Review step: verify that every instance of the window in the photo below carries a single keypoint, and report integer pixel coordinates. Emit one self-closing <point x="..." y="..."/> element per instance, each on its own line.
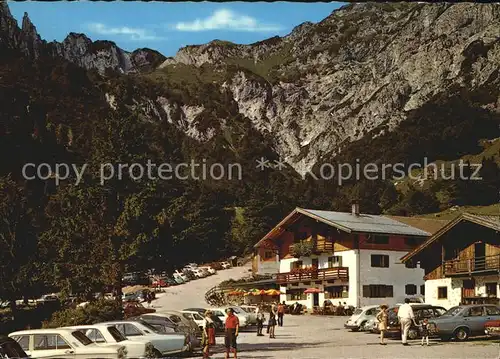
<point x="96" y="336"/>
<point x="491" y="289"/>
<point x="296" y="265"/>
<point x="475" y="312"/>
<point x="422" y="289"/>
<point x="187" y="316"/>
<point x="424" y="313"/>
<point x="334" y="261"/>
<point x="197" y="317"/>
<point x="380" y="260"/>
<point x="115" y="333"/>
<point x="490" y="310"/>
<point x="268" y="254"/>
<point x="24" y="341"/>
<point x="296" y="294"/>
<point x="373" y="239"/>
<point x="411" y="242"/>
<point x="378" y="291"/>
<point x="336" y="292"/>
<point x="442" y="292"/>
<point x="410" y="289"/>
<point x="175" y="319"/>
<point x="50" y="342"/>
<point x="439" y="312"/>
<point x="131" y="330"/>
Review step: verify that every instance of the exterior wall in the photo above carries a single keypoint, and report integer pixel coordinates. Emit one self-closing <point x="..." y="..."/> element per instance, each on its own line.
<point x="454" y="292"/>
<point x="396" y="275"/>
<point x="267" y="266"/>
<point x="481" y="284"/>
<point x="395" y="243"/>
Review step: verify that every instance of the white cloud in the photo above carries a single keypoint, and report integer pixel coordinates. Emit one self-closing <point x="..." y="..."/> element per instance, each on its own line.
<point x="225" y="19"/>
<point x="135" y="34"/>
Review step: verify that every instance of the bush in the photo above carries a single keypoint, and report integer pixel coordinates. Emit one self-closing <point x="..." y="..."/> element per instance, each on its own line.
<point x="302" y="249"/>
<point x="100" y="311"/>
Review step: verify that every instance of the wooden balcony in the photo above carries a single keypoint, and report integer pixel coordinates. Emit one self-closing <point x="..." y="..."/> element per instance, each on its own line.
<point x="341" y="273"/>
<point x="321" y="246"/>
<point x="478" y="265"/>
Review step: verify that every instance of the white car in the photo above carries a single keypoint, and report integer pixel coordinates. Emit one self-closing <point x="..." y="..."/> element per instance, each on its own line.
<point x="222" y="314"/>
<point x="210" y="270"/>
<point x="225" y="265"/>
<point x="199" y="273"/>
<point x="181" y="275"/>
<point x="194" y="316"/>
<point x="361" y="316"/>
<point x="105" y="334"/>
<point x="48" y="298"/>
<point x="64" y="343"/>
<point x="164" y="344"/>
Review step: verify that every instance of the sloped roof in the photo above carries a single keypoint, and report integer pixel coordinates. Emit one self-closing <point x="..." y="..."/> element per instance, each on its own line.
<point x="492" y="222"/>
<point x="365" y="223"/>
<point x="429" y="225"/>
<point x="347" y="222"/>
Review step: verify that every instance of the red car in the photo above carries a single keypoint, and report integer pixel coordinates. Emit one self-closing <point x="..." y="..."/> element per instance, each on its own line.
<point x="134" y="309"/>
<point x="160" y="283"/>
<point x="492" y="328"/>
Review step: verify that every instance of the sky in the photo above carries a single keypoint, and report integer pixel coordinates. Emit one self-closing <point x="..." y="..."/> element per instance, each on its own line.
<point x="166" y="27"/>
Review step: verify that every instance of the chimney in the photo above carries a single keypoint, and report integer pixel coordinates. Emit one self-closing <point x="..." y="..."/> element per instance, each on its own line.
<point x="355" y="208"/>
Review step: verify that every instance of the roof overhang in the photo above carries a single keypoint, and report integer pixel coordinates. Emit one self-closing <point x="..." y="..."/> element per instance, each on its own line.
<point x="436" y="236"/>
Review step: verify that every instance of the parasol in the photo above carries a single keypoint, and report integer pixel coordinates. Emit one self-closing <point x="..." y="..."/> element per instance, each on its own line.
<point x="273" y="292"/>
<point x="312" y="290"/>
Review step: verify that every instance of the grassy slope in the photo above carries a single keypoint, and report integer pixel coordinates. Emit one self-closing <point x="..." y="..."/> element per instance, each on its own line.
<point x="492" y="210"/>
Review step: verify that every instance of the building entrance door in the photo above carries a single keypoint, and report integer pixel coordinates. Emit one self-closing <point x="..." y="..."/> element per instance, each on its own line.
<point x="316" y="299"/>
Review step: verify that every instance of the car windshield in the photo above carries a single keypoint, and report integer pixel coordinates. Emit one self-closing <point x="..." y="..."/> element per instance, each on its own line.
<point x="115" y="333"/>
<point x="237" y="310"/>
<point x="11" y="349"/>
<point x="150" y="327"/>
<point x="82" y="338"/>
<point x="358" y="311"/>
<point x="452" y="312"/>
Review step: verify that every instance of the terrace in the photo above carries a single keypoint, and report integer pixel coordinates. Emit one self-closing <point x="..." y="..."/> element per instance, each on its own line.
<point x="306" y="275"/>
<point x="477" y="265"/>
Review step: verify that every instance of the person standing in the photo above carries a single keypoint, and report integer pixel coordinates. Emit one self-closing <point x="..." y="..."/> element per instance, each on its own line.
<point x="149" y="297"/>
<point x="271" y="325"/>
<point x="281" y="313"/>
<point x="260" y="321"/>
<point x="231" y="333"/>
<point x="424" y="331"/>
<point x="382" y="318"/>
<point x="406" y="317"/>
<point x="208" y="338"/>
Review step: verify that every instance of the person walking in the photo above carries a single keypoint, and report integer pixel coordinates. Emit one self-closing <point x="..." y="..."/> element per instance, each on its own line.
<point x="424" y="331"/>
<point x="149" y="298"/>
<point x="260" y="321"/>
<point x="406" y="317"/>
<point x="382" y="318"/>
<point x="208" y="338"/>
<point x="271" y="325"/>
<point x="231" y="333"/>
<point x="281" y="313"/>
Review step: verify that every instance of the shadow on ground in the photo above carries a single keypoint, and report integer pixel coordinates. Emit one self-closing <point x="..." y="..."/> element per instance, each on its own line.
<point x="277" y="346"/>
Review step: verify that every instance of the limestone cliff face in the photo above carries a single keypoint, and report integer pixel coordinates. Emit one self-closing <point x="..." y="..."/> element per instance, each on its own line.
<point x="76" y="48"/>
<point x="360" y="71"/>
<point x="364" y="66"/>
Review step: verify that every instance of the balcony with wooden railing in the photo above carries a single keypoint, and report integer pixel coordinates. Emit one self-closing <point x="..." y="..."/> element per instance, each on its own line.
<point x="307" y="275"/>
<point x="477" y="265"/>
<point x="309" y="247"/>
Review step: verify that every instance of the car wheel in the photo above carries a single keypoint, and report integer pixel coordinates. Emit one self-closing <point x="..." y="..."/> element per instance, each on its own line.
<point x="461" y="334"/>
<point x="354" y="329"/>
<point x="412" y="334"/>
<point x="362" y="326"/>
<point x="156" y="353"/>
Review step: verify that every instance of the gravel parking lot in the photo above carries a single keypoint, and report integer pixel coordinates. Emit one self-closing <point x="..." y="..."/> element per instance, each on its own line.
<point x="316" y="337"/>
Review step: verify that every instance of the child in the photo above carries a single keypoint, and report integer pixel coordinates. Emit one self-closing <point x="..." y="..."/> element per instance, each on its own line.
<point x="260" y="321"/>
<point x="424" y="331"/>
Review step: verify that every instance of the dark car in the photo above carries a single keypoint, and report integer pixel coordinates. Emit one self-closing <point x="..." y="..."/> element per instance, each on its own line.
<point x="421" y="312"/>
<point x="219" y="325"/>
<point x="10" y="349"/>
<point x="464" y="321"/>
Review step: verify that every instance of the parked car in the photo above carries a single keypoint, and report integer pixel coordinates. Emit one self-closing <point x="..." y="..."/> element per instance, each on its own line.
<point x="206" y="272"/>
<point x="492" y="328"/>
<point x="217" y="266"/>
<point x="165" y="344"/>
<point x="179" y="279"/>
<point x="180" y="274"/>
<point x="360" y="316"/>
<point x="465" y="321"/>
<point x="190" y="273"/>
<point x="421" y="311"/>
<point x="10" y="349"/>
<point x="225" y="265"/>
<point x="134" y="309"/>
<point x="48" y="298"/>
<point x="222" y="314"/>
<point x="132" y="297"/>
<point x="195" y="316"/>
<point x="167" y="322"/>
<point x="199" y="273"/>
<point x="192" y="265"/>
<point x="64" y="343"/>
<point x="219" y="324"/>
<point x="177" y="317"/>
<point x="105" y="334"/>
<point x="251" y="315"/>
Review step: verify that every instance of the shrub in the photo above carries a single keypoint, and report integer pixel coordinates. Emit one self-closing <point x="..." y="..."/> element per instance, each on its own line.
<point x="302" y="249"/>
<point x="100" y="311"/>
